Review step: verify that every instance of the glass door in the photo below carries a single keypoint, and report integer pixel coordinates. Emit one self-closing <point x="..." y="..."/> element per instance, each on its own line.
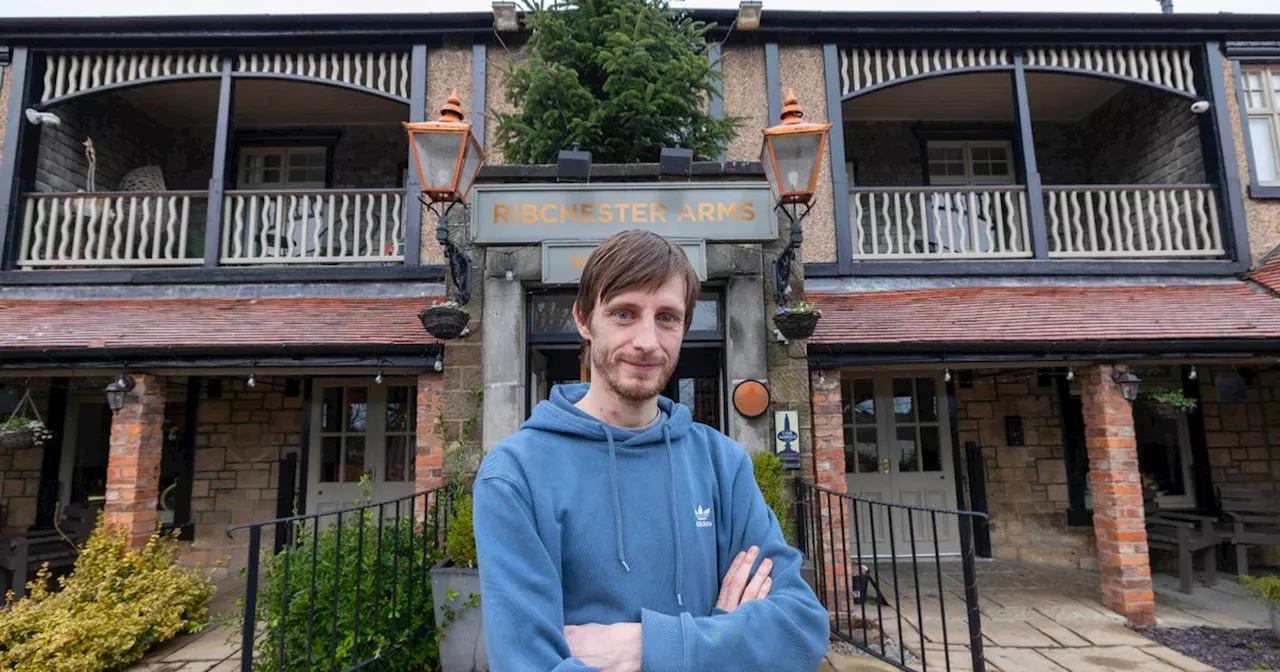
<point x="361" y="430"/>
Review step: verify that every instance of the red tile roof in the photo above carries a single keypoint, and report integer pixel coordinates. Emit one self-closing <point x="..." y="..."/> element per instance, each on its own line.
<point x="1267" y="273"/>
<point x="210" y="322"/>
<point x="1229" y="310"/>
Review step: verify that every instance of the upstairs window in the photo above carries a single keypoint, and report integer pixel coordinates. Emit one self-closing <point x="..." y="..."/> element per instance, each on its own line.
<point x="961" y="163"/>
<point x="283" y="167"/>
<point x="1261" y="87"/>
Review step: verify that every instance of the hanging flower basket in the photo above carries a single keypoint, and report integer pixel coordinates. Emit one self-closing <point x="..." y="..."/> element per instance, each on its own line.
<point x="797" y="323"/>
<point x="20" y="432"/>
<point x="1167" y="403"/>
<point x="445" y="320"/>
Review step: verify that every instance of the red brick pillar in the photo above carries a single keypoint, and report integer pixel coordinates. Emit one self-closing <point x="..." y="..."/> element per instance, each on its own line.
<point x="133" y="464"/>
<point x="828" y="455"/>
<point x="428" y="461"/>
<point x="1116" y="484"/>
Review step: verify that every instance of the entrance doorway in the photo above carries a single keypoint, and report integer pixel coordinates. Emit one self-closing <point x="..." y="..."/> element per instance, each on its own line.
<point x="361" y="429"/>
<point x="897" y="438"/>
<point x="82" y="472"/>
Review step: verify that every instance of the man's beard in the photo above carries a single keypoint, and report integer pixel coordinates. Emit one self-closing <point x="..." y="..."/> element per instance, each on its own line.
<point x="629" y="389"/>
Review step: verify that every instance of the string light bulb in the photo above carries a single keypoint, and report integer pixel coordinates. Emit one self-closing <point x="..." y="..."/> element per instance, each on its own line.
<point x="1192" y="375"/>
<point x="439" y="365"/>
<point x="510" y="276"/>
<point x="946" y="375"/>
<point x="252" y="381"/>
<point x="1071" y="373"/>
<point x="378" y="378"/>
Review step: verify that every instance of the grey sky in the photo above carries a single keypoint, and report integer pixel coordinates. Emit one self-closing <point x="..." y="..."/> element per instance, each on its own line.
<point x="159" y="7"/>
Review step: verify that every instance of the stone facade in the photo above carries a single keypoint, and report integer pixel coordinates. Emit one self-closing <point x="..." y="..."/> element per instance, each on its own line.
<point x="1241" y="433"/>
<point x="240" y="439"/>
<point x="20" y="467"/>
<point x="1026" y="486"/>
<point x="370" y="157"/>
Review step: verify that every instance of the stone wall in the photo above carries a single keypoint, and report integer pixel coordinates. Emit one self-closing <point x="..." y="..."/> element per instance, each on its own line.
<point x="1142" y="136"/>
<point x="240" y="440"/>
<point x="370" y="157"/>
<point x="1026" y="485"/>
<point x="20" y="467"/>
<point x="1242" y="434"/>
<point x="124" y="138"/>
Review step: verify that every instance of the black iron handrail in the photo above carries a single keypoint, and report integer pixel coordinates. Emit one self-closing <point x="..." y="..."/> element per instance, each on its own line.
<point x="823" y="520"/>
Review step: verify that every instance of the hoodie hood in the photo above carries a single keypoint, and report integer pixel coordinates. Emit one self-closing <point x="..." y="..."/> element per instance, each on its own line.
<point x="559" y="415"/>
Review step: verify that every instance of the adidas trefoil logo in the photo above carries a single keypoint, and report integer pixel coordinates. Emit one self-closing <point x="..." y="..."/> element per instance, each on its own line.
<point x="704" y="516"/>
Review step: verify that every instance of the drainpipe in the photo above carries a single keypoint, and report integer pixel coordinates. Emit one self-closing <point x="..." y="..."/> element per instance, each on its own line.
<point x="1166" y="6"/>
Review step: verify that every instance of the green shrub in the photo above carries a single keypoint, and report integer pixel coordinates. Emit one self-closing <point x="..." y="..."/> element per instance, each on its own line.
<point x="771" y="476"/>
<point x="112" y="608"/>
<point x="1265" y="587"/>
<point x="460" y="539"/>
<point x="382" y="595"/>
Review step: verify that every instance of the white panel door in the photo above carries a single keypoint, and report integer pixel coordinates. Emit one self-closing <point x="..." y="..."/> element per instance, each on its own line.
<point x="360" y="429"/>
<point x="898" y="450"/>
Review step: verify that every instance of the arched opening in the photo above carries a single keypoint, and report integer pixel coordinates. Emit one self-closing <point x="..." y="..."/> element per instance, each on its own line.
<point x="314" y="173"/>
<point x="936" y="168"/>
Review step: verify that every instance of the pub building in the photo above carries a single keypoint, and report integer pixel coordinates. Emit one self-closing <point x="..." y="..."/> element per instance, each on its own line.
<point x="221" y="241"/>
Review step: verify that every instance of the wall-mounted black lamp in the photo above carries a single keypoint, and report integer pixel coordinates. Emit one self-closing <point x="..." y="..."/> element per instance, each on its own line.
<point x="1128" y="383"/>
<point x="117" y="390"/>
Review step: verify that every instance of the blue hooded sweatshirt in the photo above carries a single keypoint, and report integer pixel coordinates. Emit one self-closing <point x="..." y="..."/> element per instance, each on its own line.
<point x="579" y="522"/>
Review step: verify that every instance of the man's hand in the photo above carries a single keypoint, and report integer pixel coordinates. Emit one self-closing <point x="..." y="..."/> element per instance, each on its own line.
<point x="612" y="648"/>
<point x="735" y="590"/>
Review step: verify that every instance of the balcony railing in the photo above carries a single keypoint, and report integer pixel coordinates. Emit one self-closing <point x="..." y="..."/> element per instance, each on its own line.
<point x="939" y="222"/>
<point x="1135" y="221"/>
<point x="112" y="229"/>
<point x="313" y="227"/>
<point x="1138" y="222"/>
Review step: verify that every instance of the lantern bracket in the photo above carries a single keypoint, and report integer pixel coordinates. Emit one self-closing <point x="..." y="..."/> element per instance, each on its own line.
<point x="459" y="262"/>
<point x="795" y="213"/>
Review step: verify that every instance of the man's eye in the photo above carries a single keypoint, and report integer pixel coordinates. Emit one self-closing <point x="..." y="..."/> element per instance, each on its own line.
<point x="622" y="314"/>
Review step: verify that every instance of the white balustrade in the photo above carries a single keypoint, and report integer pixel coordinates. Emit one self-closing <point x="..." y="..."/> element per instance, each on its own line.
<point x="1133" y="222"/>
<point x="313" y="227"/>
<point x="112" y="229"/>
<point x="939" y="222"/>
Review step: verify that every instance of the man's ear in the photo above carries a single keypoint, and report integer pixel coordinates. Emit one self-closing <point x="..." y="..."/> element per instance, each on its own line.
<point x="584" y="329"/>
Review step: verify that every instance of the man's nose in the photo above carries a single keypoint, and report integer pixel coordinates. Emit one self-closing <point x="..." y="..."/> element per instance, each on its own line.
<point x="645" y="336"/>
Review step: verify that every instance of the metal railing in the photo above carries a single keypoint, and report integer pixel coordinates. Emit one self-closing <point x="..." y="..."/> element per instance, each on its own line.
<point x="886" y="573"/>
<point x="358" y="576"/>
<point x="102" y="229"/>
<point x="332" y="226"/>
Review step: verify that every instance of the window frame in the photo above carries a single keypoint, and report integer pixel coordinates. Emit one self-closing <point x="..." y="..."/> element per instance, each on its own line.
<point x="1270" y="70"/>
<point x="969" y="179"/>
<point x="286" y="153"/>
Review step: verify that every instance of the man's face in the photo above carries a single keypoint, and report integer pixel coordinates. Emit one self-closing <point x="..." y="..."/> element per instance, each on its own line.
<point x="635" y="339"/>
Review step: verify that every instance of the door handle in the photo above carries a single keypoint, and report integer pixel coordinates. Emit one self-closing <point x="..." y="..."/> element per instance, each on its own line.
<point x="884" y="465"/>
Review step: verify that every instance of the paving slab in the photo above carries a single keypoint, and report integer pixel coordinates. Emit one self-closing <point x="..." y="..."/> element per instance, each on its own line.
<point x="1016" y="634"/>
<point x="1059" y="633"/>
<point x="1178" y="660"/>
<point x="1107" y="659"/>
<point x="1021" y="660"/>
<point x="1109" y="634"/>
<point x="215" y="644"/>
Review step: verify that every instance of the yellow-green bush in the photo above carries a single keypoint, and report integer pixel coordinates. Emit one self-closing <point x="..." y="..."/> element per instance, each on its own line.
<point x="771" y="476"/>
<point x="108" y="612"/>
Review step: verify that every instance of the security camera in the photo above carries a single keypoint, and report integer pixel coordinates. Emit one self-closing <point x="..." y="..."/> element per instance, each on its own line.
<point x="1200" y="106"/>
<point x="42" y="118"/>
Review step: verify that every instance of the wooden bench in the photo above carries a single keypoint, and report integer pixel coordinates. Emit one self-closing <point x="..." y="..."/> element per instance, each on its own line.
<point x="1186" y="534"/>
<point x="21" y="556"/>
<point x="1250" y="518"/>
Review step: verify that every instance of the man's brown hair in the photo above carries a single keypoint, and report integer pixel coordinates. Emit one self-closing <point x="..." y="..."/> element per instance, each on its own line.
<point x="635" y="259"/>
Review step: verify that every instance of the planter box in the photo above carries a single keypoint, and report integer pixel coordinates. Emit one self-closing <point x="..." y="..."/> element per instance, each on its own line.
<point x="462" y="640"/>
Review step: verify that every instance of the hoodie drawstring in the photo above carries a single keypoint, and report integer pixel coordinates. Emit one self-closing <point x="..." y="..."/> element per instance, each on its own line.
<point x="675" y="524"/>
<point x="617" y="505"/>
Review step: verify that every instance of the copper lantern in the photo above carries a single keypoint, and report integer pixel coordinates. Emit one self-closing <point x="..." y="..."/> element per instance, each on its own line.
<point x="792" y="154"/>
<point x="446" y="153"/>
